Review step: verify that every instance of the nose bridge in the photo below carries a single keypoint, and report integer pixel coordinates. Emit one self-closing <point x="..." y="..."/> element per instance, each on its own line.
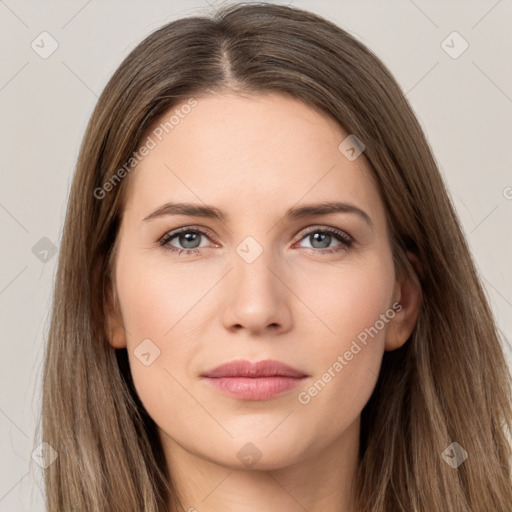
<point x="252" y="264"/>
<point x="256" y="293"/>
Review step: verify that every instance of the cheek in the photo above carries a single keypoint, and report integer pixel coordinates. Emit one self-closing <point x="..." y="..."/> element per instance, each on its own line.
<point x="347" y="357"/>
<point x="346" y="298"/>
<point x="363" y="295"/>
<point x="156" y="297"/>
<point x="156" y="306"/>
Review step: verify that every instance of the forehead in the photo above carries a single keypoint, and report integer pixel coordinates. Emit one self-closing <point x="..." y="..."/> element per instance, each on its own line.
<point x="253" y="152"/>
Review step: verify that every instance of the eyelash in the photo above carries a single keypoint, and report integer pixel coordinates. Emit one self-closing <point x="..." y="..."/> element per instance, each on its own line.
<point x="346" y="241"/>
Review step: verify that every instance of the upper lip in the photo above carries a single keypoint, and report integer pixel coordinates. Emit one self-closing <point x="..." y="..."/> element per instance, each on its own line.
<point x="245" y="368"/>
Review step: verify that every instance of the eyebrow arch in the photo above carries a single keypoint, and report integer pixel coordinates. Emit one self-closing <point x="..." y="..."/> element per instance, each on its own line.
<point x="298" y="212"/>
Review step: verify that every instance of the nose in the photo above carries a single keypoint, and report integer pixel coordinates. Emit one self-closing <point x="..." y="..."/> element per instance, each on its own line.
<point x="257" y="297"/>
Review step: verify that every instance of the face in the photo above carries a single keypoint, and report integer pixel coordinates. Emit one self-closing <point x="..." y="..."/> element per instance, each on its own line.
<point x="254" y="275"/>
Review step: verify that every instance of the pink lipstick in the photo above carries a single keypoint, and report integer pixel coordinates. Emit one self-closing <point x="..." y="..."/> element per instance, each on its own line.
<point x="260" y="380"/>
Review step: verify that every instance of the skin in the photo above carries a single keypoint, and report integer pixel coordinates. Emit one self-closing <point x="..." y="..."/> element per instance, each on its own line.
<point x="253" y="157"/>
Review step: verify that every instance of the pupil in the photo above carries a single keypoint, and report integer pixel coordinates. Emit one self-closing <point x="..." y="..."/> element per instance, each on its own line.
<point x="321" y="238"/>
<point x="189" y="238"/>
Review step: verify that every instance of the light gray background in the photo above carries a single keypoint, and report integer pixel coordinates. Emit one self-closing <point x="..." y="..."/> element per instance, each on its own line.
<point x="464" y="105"/>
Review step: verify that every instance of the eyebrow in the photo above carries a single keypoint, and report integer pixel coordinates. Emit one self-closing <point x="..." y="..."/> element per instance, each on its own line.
<point x="294" y="213"/>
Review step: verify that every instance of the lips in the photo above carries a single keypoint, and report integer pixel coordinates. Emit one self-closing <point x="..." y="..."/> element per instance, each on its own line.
<point x="244" y="368"/>
<point x="261" y="380"/>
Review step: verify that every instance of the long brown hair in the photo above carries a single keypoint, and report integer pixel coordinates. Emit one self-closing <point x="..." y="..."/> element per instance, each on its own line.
<point x="448" y="383"/>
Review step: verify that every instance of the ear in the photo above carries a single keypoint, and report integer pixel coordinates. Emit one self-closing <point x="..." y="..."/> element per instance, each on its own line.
<point x="408" y="295"/>
<point x="116" y="333"/>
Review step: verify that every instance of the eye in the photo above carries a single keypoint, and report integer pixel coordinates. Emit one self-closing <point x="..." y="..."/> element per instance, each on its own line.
<point x="321" y="238"/>
<point x="190" y="240"/>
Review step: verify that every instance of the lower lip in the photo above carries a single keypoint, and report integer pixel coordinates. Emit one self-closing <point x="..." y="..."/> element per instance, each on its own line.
<point x="254" y="388"/>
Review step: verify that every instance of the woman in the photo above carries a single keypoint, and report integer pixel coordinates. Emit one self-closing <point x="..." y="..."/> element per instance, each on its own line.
<point x="201" y="357"/>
